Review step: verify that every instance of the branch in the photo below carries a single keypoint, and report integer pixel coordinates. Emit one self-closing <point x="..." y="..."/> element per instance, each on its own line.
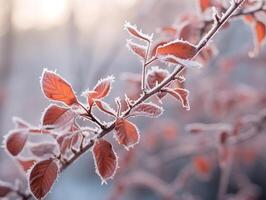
<point x="157" y="89"/>
<point x="147" y="94"/>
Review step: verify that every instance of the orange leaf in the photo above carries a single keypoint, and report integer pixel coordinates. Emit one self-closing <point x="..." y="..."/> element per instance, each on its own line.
<point x="260" y="32"/>
<point x="126" y="132"/>
<point x="202" y="165"/>
<point x="15" y="142"/>
<point x="178" y="48"/>
<point x="56" y="88"/>
<point x="205" y="4"/>
<point x="42" y="177"/>
<point x="105" y="159"/>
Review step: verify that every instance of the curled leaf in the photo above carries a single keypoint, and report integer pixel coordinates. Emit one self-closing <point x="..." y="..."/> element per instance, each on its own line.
<point x="56" y="88"/>
<point x="42" y="177"/>
<point x="15" y="141"/>
<point x="126" y="133"/>
<point x="105" y="159"/>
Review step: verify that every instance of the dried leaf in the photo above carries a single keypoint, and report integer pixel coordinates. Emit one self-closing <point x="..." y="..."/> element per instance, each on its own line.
<point x="147" y="109"/>
<point x="105" y="159"/>
<point x="181" y="94"/>
<point x="15" y="141"/>
<point x="57" y="116"/>
<point x="126" y="133"/>
<point x="177" y="48"/>
<point x="136" y="33"/>
<point x="42" y="177"/>
<point x="137" y="49"/>
<point x="56" y="88"/>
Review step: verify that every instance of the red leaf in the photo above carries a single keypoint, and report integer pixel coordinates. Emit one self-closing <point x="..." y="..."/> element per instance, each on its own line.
<point x="42" y="177"/>
<point x="15" y="141"/>
<point x="5" y="188"/>
<point x="105" y="159"/>
<point x="136" y="33"/>
<point x="56" y="88"/>
<point x="105" y="107"/>
<point x="181" y="94"/>
<point x="25" y="163"/>
<point x="100" y="91"/>
<point x="178" y="48"/>
<point x="43" y="149"/>
<point x="139" y="50"/>
<point x="147" y="109"/>
<point x="126" y="132"/>
<point x="57" y="116"/>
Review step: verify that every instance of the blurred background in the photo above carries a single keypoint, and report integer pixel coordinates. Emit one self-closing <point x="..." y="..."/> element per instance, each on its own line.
<point x="84" y="40"/>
